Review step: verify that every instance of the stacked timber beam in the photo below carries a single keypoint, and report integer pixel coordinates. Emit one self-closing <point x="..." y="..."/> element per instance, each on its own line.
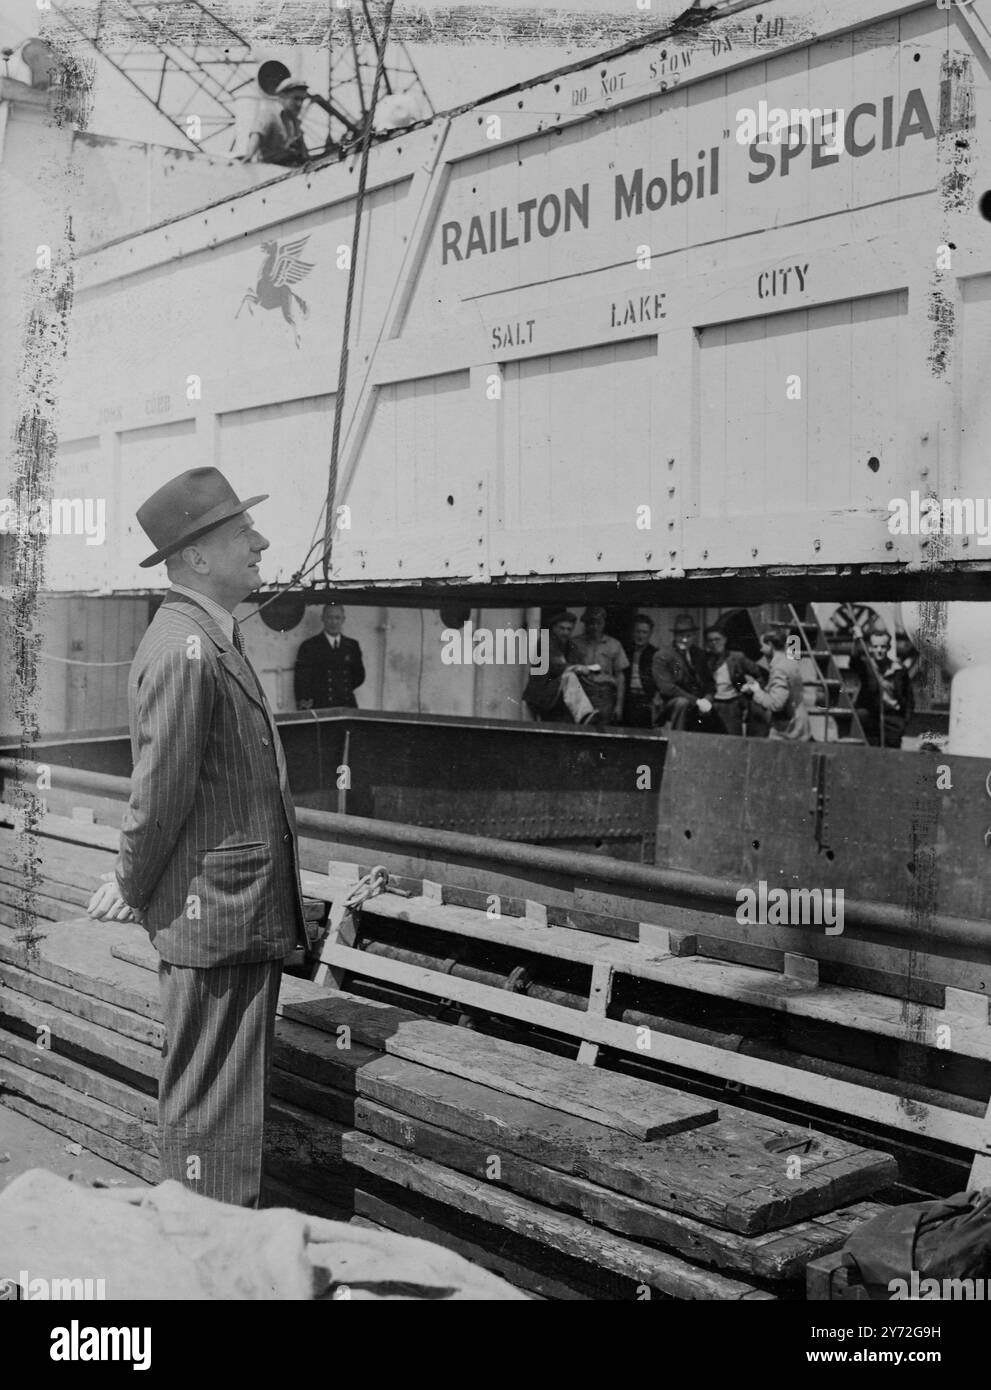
<point x="881" y="1032"/>
<point x="569" y="1181"/>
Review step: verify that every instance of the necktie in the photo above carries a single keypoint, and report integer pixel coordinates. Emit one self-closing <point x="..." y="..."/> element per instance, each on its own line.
<point x="238" y="639"/>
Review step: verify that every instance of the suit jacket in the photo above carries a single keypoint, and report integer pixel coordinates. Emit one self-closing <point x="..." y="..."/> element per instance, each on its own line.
<point x="327" y="676"/>
<point x="784" y="699"/>
<point x="740" y="667"/>
<point x="543" y="693"/>
<point x="683" y="673"/>
<point x="208" y="840"/>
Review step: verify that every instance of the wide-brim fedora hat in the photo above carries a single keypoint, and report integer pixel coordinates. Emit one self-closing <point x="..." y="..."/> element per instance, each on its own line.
<point x="186" y="508"/>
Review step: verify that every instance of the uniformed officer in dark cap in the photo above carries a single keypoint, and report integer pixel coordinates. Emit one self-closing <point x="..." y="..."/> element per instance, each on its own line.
<point x="329" y="668"/>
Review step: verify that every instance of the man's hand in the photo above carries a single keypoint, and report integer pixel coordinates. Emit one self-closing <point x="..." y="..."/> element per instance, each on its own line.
<point x="305" y="704"/>
<point x="108" y="905"/>
<point x="704" y="706"/>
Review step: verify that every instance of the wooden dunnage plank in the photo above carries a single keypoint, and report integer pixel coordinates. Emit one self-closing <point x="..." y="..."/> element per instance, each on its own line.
<point x="624" y="1103"/>
<point x="389" y="1216"/>
<point x="61" y="860"/>
<point x="78" y="955"/>
<point x="366" y="1020"/>
<point x="316" y="1055"/>
<point x="830" y="1093"/>
<point x="765" y="987"/>
<point x="568" y="1234"/>
<point x="279" y="1194"/>
<point x="100" y="1047"/>
<point x="847" y="1008"/>
<point x="86" y="1110"/>
<point x="56" y="827"/>
<point x="732" y="1174"/>
<point x="847" y="952"/>
<point x="304" y="1151"/>
<point x="142" y="1165"/>
<point x="313" y="1098"/>
<point x="563" y="943"/>
<point x="38" y="903"/>
<point x="779" y="1256"/>
<point x="80" y="1077"/>
<point x="85" y="1006"/>
<point x="68" y="893"/>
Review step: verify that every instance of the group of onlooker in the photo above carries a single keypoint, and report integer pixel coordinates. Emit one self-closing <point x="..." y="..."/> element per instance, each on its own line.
<point x="719" y="689"/>
<point x="593" y="679"/>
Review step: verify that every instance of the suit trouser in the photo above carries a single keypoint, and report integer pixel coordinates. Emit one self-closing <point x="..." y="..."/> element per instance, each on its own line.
<point x="216" y="1066"/>
<point x="730" y="715"/>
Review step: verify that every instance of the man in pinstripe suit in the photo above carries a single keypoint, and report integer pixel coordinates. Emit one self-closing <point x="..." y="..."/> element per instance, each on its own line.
<point x="208" y="841"/>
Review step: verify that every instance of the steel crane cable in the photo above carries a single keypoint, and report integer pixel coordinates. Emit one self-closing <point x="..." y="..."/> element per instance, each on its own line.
<point x="342" y="376"/>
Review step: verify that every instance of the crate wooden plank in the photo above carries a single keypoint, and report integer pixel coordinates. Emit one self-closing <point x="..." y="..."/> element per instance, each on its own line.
<point x="570" y="1235"/>
<point x="79" y="1076"/>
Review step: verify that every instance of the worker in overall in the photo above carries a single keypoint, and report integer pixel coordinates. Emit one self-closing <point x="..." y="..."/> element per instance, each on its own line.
<point x="277" y="137"/>
<point x="208" y="856"/>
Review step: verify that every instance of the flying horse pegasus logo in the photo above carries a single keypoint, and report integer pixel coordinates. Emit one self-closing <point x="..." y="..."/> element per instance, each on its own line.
<point x="281" y="268"/>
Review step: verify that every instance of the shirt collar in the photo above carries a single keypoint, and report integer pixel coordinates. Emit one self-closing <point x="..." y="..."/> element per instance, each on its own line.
<point x="221" y="616"/>
<point x="334" y="641"/>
